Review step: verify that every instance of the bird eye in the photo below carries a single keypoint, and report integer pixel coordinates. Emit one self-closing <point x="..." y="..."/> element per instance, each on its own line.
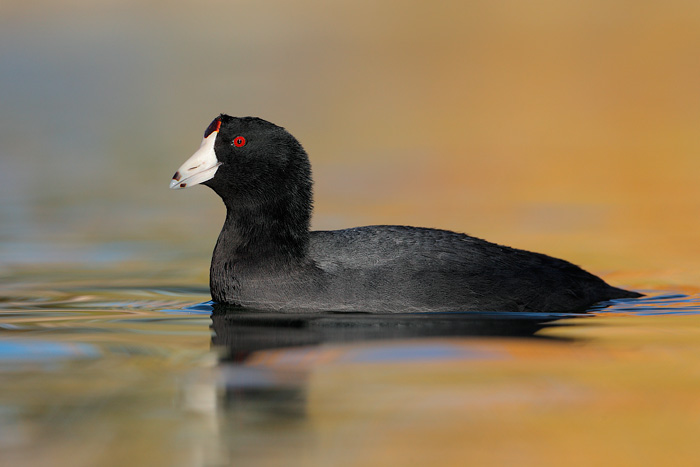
<point x="239" y="141"/>
<point x="213" y="126"/>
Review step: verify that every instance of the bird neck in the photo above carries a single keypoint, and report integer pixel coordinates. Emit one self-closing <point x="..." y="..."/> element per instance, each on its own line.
<point x="277" y="231"/>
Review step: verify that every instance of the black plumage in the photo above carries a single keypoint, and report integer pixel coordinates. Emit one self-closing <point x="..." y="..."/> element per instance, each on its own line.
<point x="267" y="258"/>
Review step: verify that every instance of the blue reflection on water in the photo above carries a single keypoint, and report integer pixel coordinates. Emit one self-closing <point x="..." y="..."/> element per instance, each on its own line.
<point x="414" y="353"/>
<point x="41" y="351"/>
<point x="654" y="303"/>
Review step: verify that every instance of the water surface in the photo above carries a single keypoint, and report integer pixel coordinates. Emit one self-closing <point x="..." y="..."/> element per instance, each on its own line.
<point x="102" y="371"/>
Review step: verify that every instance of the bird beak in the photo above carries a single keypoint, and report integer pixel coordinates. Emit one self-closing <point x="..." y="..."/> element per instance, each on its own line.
<point x="200" y="167"/>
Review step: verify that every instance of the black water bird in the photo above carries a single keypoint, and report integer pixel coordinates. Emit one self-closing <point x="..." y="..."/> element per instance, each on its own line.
<point x="267" y="258"/>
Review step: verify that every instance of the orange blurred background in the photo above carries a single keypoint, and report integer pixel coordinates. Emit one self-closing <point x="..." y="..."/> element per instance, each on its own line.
<point x="569" y="128"/>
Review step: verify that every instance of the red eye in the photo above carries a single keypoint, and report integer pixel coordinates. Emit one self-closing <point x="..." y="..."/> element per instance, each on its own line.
<point x="239" y="141"/>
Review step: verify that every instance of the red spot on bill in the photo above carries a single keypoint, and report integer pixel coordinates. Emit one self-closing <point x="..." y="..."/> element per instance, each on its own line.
<point x="213" y="126"/>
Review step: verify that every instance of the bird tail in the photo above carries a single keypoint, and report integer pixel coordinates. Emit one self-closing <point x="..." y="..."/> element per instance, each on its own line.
<point x="616" y="292"/>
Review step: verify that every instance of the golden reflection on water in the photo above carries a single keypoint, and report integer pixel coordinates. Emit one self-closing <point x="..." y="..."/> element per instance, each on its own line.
<point x="607" y="391"/>
<point x="138" y="380"/>
<point x="547" y="403"/>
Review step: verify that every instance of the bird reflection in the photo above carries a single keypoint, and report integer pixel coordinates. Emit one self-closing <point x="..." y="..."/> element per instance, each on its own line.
<point x="273" y="366"/>
<point x="266" y="358"/>
<point x="242" y="332"/>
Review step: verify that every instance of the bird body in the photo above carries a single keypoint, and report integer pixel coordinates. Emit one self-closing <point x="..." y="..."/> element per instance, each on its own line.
<point x="267" y="258"/>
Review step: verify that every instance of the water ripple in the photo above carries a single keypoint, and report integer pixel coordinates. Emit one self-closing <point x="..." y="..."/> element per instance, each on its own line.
<point x="654" y="303"/>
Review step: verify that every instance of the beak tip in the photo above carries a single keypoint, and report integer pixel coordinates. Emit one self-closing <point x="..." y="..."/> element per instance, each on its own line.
<point x="175" y="184"/>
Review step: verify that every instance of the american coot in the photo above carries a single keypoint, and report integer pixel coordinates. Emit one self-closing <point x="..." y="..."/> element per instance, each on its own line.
<point x="266" y="257"/>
